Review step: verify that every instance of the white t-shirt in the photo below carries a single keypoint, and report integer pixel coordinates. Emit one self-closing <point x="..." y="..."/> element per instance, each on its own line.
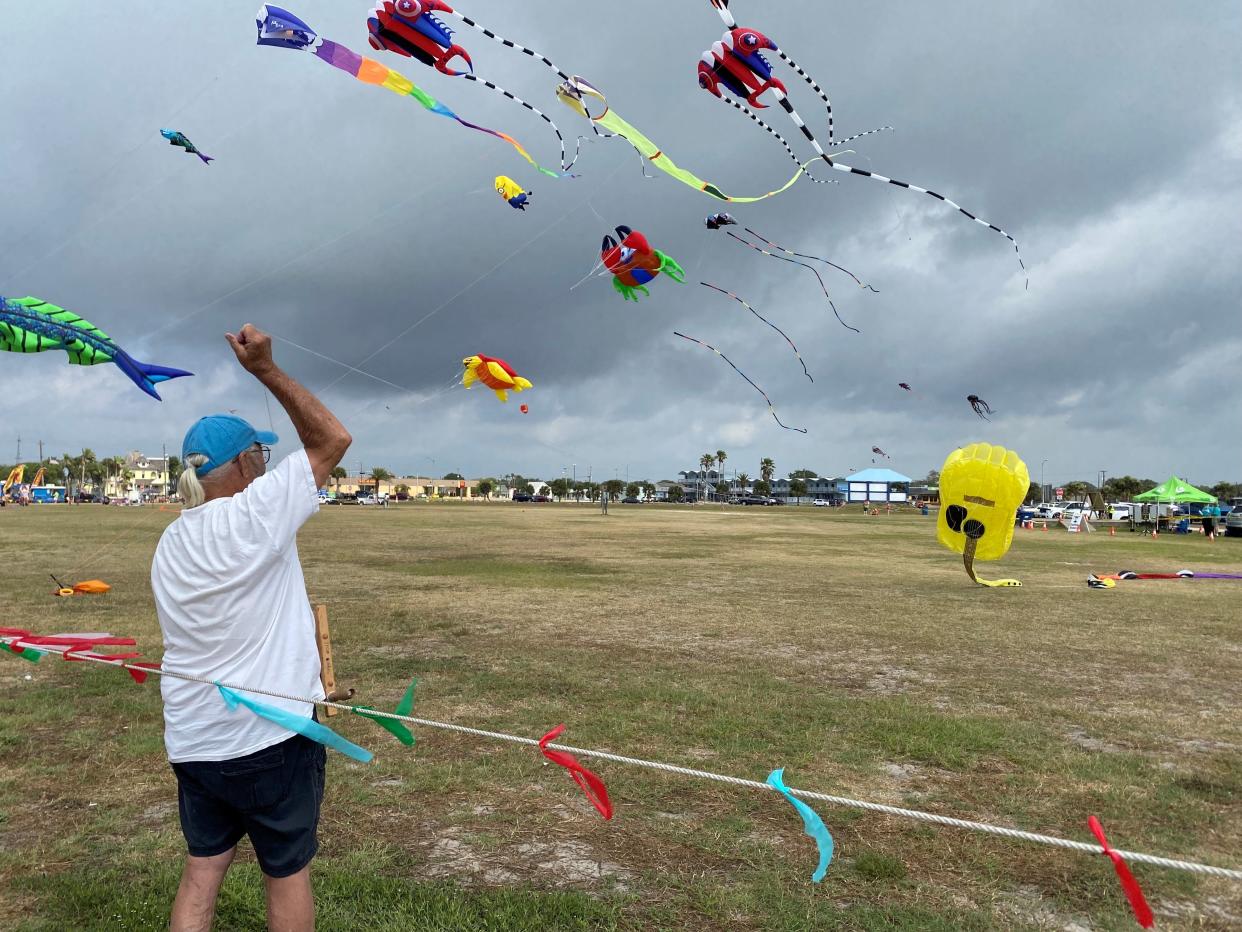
<point x="232" y="605"/>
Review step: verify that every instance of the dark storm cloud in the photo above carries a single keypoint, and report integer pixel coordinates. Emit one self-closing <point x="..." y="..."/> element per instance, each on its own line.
<point x="339" y="216"/>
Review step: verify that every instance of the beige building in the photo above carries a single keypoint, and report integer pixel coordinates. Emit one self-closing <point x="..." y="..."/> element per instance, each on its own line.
<point x="418" y="485"/>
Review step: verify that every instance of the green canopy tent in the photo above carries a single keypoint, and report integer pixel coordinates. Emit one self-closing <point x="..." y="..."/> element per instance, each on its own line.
<point x="1175" y="491"/>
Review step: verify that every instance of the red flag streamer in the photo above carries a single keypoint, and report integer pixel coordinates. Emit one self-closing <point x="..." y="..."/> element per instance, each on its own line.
<point x="590" y="784"/>
<point x="140" y="676"/>
<point x="13" y="647"/>
<point x="1134" y="893"/>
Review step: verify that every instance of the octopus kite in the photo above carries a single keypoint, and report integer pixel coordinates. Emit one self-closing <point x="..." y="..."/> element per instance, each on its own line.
<point x="905" y="385"/>
<point x="412" y="28"/>
<point x="979" y="406"/>
<point x="736" y="65"/>
<point x="496" y="374"/>
<point x="281" y="29"/>
<point x="31" y="325"/>
<point x="633" y="263"/>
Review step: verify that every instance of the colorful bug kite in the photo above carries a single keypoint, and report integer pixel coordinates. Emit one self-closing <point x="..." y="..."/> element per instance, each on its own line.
<point x="177" y="138"/>
<point x="979" y="406"/>
<point x="805" y="371"/>
<point x="496" y="374"/>
<point x="511" y="192"/>
<point x="771" y="407"/>
<point x="412" y="28"/>
<point x="981" y="486"/>
<point x="633" y="263"/>
<point x="736" y="64"/>
<point x="280" y="28"/>
<point x="31" y="325"/>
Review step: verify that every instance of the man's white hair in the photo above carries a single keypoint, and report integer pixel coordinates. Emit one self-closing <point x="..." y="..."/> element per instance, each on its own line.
<point x="188" y="486"/>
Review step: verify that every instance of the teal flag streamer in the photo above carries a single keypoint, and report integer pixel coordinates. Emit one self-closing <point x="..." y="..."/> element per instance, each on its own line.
<point x="404" y="707"/>
<point x="812" y="824"/>
<point x="306" y="727"/>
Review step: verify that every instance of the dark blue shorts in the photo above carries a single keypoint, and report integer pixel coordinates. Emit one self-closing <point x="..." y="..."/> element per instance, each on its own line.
<point x="272" y="795"/>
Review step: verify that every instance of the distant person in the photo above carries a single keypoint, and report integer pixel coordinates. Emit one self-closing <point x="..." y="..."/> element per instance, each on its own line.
<point x="232" y="606"/>
<point x="1209" y="523"/>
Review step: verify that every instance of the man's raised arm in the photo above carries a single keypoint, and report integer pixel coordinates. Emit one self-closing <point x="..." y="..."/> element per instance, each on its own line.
<point x="324" y="437"/>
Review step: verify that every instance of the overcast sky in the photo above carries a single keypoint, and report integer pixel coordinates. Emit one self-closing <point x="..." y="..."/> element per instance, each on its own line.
<point x="1107" y="138"/>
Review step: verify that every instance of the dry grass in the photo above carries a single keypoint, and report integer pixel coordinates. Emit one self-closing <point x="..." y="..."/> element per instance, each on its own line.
<point x="850" y="650"/>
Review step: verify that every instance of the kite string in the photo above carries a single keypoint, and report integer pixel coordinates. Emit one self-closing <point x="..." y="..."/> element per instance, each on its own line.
<point x="525" y="245"/>
<point x="897" y="811"/>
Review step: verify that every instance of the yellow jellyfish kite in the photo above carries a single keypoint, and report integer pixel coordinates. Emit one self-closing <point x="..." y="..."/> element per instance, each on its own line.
<point x="981" y="487"/>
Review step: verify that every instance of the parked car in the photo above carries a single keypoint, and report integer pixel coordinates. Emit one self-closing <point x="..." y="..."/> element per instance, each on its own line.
<point x="1050" y="510"/>
<point x="541" y="498"/>
<point x="1233" y="522"/>
<point x="754" y="500"/>
<point x="822" y="503"/>
<point x="629" y="500"/>
<point x="1120" y="511"/>
<point x="776" y="501"/>
<point x="522" y="497"/>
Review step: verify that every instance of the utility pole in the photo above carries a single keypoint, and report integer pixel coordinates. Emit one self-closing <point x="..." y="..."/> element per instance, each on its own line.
<point x="19" y="448"/>
<point x="40" y="452"/>
<point x="164" y="447"/>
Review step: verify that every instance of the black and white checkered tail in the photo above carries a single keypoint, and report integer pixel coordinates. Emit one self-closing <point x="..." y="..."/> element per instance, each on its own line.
<point x="737" y="105"/>
<point x="798" y="122"/>
<point x="878" y="129"/>
<point x="565" y="166"/>
<point x="849" y="169"/>
<point x="722" y="7"/>
<point x="509" y="43"/>
<point x="815" y="87"/>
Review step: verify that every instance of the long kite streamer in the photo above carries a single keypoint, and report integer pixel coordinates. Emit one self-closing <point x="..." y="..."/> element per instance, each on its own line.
<point x="812" y="824"/>
<point x="766" y="321"/>
<point x="281" y="28"/>
<point x="802" y="255"/>
<point x="771" y="407"/>
<point x="307" y="727"/>
<point x="573" y="92"/>
<point x="814" y="271"/>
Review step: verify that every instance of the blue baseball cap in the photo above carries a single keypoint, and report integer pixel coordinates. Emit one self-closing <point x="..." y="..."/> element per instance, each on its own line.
<point x="220" y="437"/>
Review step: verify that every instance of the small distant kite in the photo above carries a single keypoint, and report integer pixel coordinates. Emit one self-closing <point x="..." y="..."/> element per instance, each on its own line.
<point x="177" y="138"/>
<point x="771" y="407"/>
<point x="525" y="409"/>
<point x="31" y="325"/>
<point x="979" y="406"/>
<point x="633" y="263"/>
<point x="512" y="192"/>
<point x="878" y="452"/>
<point x="905" y="386"/>
<point x="496" y="374"/>
<point x="716" y="221"/>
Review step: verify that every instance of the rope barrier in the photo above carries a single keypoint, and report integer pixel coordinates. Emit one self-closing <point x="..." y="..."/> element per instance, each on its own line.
<point x="1136" y="857"/>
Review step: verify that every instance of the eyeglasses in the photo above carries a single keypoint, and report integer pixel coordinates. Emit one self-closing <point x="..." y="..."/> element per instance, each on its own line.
<point x="267" y="453"/>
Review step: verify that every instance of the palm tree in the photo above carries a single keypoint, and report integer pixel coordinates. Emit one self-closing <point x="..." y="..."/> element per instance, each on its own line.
<point x="742" y="479"/>
<point x="705" y="465"/>
<point x="379" y="474"/>
<point x="767" y="469"/>
<point x="721" y="456"/>
<point x="338" y="473"/>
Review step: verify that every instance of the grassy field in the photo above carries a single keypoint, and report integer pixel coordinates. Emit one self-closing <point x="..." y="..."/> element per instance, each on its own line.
<point x="850" y="650"/>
